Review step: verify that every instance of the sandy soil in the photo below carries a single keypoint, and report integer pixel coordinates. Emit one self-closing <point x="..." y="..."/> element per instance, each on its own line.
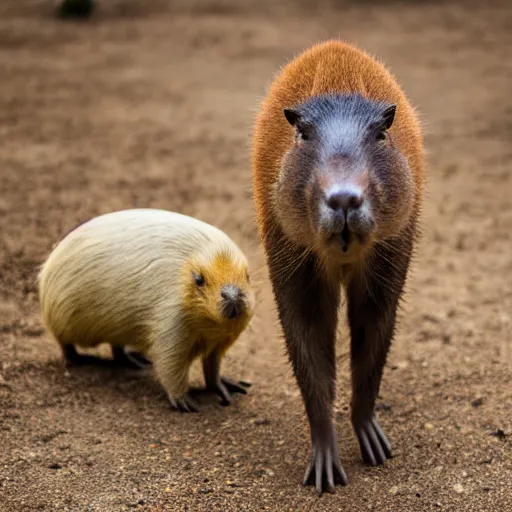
<point x="153" y="107"/>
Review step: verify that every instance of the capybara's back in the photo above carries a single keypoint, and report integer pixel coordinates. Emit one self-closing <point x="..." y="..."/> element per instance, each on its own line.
<point x="108" y="278"/>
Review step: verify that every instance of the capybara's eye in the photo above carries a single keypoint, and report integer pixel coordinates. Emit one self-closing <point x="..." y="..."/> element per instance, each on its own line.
<point x="303" y="130"/>
<point x="303" y="135"/>
<point x="198" y="278"/>
<point x="381" y="135"/>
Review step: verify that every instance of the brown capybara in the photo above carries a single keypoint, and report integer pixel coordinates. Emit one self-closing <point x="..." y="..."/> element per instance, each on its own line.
<point x="338" y="173"/>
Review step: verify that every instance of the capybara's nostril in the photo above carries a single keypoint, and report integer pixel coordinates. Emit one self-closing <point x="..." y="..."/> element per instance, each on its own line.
<point x="344" y="198"/>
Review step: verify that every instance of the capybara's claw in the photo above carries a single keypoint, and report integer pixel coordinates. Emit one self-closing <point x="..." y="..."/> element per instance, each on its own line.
<point x="324" y="470"/>
<point x="222" y="390"/>
<point x="375" y="447"/>
<point x="225" y="386"/>
<point x="183" y="403"/>
<point x="235" y="386"/>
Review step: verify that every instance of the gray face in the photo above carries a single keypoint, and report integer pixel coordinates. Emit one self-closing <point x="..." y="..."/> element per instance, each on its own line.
<point x="343" y="184"/>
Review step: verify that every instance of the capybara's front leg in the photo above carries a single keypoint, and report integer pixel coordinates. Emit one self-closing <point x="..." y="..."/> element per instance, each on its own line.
<point x="372" y="307"/>
<point x="308" y="307"/>
<point x="217" y="383"/>
<point x="172" y="363"/>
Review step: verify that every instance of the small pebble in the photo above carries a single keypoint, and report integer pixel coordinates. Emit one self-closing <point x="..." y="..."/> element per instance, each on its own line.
<point x="458" y="488"/>
<point x="393" y="490"/>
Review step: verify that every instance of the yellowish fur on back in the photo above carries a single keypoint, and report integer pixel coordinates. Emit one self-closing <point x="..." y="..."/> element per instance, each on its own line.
<point x="119" y="278"/>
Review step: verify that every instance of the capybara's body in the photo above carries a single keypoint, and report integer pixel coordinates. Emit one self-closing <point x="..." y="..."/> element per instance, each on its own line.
<point x="167" y="285"/>
<point x="338" y="173"/>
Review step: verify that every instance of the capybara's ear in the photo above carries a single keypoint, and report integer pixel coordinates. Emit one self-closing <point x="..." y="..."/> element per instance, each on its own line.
<point x="389" y="115"/>
<point x="292" y="116"/>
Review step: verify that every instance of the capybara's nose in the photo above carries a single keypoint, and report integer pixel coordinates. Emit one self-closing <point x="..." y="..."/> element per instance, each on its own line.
<point x="344" y="198"/>
<point x="233" y="302"/>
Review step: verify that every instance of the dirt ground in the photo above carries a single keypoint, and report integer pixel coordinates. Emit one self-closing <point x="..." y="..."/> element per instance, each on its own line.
<point x="150" y="104"/>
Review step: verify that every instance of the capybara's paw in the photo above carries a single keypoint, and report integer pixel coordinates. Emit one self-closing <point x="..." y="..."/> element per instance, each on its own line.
<point x="226" y="386"/>
<point x="233" y="386"/>
<point x="325" y="470"/>
<point x="375" y="447"/>
<point x="183" y="403"/>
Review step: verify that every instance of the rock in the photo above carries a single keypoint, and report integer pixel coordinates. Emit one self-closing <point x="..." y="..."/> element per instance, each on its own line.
<point x="434" y="319"/>
<point x="33" y="332"/>
<point x="458" y="488"/>
<point x="393" y="490"/>
<point x="429" y="426"/>
<point x="259" y="421"/>
<point x="500" y="434"/>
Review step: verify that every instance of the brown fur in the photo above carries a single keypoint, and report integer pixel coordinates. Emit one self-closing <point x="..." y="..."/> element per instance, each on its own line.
<point x="306" y="283"/>
<point x="332" y="66"/>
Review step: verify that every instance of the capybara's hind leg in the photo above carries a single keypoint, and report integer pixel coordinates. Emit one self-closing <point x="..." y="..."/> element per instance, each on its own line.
<point x="74" y="358"/>
<point x="129" y="359"/>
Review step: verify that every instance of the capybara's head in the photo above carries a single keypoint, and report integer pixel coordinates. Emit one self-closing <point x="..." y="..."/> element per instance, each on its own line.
<point x="344" y="184"/>
<point x="218" y="290"/>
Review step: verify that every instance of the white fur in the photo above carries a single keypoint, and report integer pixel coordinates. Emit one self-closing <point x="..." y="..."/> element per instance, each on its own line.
<point x="118" y="279"/>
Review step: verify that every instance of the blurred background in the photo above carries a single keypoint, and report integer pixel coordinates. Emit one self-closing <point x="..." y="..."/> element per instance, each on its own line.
<point x="151" y="104"/>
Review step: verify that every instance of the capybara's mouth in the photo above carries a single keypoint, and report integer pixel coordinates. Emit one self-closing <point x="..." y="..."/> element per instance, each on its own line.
<point x="232" y="309"/>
